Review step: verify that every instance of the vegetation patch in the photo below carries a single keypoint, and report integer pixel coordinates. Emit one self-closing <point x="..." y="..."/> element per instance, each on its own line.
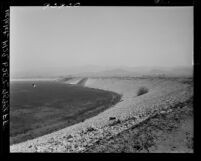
<point x="142" y="90"/>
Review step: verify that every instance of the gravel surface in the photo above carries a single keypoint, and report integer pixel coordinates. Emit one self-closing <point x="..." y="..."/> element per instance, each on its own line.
<point x="168" y="131"/>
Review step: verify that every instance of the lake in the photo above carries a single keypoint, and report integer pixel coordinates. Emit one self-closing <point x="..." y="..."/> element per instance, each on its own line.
<point x="52" y="105"/>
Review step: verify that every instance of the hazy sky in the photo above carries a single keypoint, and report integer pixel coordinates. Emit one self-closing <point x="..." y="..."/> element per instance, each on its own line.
<point x="54" y="39"/>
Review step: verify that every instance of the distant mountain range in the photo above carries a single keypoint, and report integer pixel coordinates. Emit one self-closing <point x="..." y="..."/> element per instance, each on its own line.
<point x="98" y="71"/>
<point x="140" y="71"/>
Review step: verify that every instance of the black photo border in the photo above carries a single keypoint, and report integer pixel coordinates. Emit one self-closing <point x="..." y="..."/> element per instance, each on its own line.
<point x="5" y="48"/>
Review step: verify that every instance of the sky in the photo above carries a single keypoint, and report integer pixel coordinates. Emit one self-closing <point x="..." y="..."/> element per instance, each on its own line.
<point x="48" y="40"/>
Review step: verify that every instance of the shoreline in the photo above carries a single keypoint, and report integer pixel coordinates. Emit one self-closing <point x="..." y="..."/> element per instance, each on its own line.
<point x="90" y="108"/>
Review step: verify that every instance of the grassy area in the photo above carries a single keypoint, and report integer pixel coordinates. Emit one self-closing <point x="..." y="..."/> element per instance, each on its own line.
<point x="51" y="106"/>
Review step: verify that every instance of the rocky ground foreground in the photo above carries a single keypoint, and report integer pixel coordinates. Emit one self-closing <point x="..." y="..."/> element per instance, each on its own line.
<point x="158" y="121"/>
<point x="169" y="131"/>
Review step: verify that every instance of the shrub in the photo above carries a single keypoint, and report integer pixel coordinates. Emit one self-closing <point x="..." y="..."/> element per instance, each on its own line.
<point x="142" y="90"/>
